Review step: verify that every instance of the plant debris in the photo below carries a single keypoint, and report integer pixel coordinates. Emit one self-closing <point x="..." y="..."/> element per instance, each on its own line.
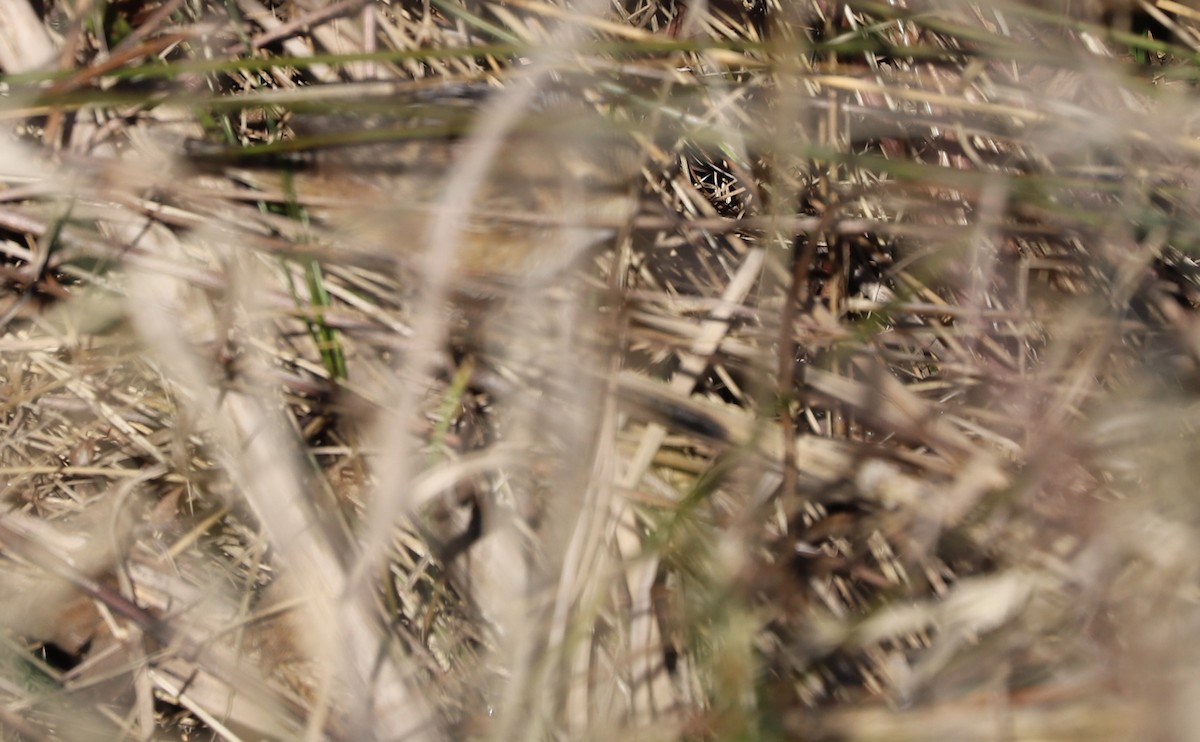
<point x="544" y="369"/>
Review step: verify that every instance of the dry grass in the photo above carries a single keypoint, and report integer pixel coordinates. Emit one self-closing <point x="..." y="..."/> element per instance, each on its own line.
<point x="531" y="370"/>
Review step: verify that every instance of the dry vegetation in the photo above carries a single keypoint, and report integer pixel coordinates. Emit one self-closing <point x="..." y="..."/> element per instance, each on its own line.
<point x="599" y="370"/>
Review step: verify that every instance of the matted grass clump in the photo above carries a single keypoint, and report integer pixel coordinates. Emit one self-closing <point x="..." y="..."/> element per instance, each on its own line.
<point x="599" y="370"/>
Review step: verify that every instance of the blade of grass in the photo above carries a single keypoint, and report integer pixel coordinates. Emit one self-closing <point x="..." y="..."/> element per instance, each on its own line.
<point x="333" y="357"/>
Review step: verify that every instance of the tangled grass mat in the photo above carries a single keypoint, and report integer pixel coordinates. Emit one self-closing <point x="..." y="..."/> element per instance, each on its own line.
<point x="599" y="370"/>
